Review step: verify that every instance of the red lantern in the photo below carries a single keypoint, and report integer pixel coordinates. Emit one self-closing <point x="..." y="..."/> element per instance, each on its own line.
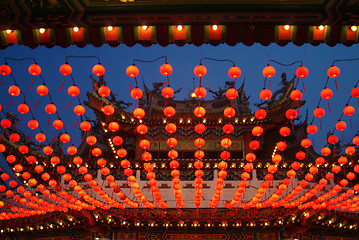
<point x="332" y="139"/>
<point x="232" y="93"/>
<point x="318" y="112"/>
<point x="117" y="140"/>
<point x="14" y="137"/>
<point x="104" y="91"/>
<point x="302" y="72"/>
<point x="132" y="71"/>
<point x="325" y="151"/>
<point x="146" y="156"/>
<point x="229" y="112"/>
<point x="250" y="157"/>
<point x="295" y="165"/>
<point x="48" y="150"/>
<point x="350" y="175"/>
<point x="169" y="111"/>
<point x="65" y="138"/>
<point x="265" y="94"/>
<point x="234" y="72"/>
<point x="5" y="123"/>
<point x="5" y="69"/>
<point x="136" y="93"/>
<point x="121" y="152"/>
<point x="312" y="129"/>
<point x="199" y="111"/>
<point x="342" y="160"/>
<point x="254" y="145"/>
<point x="142" y="129"/>
<point x="348" y="110"/>
<point x="55" y="160"/>
<point x="260" y="114"/>
<point x="91" y="140"/>
<point x="40" y="137"/>
<point x="42" y="90"/>
<point x="326" y="93"/>
<point x="306" y="143"/>
<point x="166" y="69"/>
<point x="350" y="150"/>
<point x="11" y="158"/>
<point x="23" y="149"/>
<point x="355" y="92"/>
<point x="200" y="92"/>
<point x="58" y="124"/>
<point x="268" y="71"/>
<point x="101" y="162"/>
<point x="73" y="91"/>
<point x="296" y="95"/>
<point x="226" y="142"/>
<point x="200" y="70"/>
<point x="200" y="128"/>
<point x="14" y="91"/>
<point x="144" y="143"/>
<point x="79" y="110"/>
<point x="272" y="169"/>
<point x="108" y="110"/>
<point x="65" y="69"/>
<point x="340" y="125"/>
<point x="96" y="152"/>
<point x="291" y="113"/>
<point x="284" y="131"/>
<point x="34" y="69"/>
<point x="113" y="126"/>
<point x="291" y="173"/>
<point x="167" y="92"/>
<point x="50" y="108"/>
<point x="257" y="131"/>
<point x="333" y="72"/>
<point x="300" y="155"/>
<point x="277" y="158"/>
<point x="171" y="142"/>
<point x="281" y="146"/>
<point x="139" y="113"/>
<point x="199" y="142"/>
<point x="77" y="160"/>
<point x="98" y="70"/>
<point x="336" y="169"/>
<point x="23" y="108"/>
<point x="172" y="154"/>
<point x="171" y="128"/>
<point x="228" y="128"/>
<point x="33" y="124"/>
<point x="199" y="154"/>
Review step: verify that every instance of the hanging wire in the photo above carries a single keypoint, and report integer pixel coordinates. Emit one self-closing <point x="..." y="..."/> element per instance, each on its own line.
<point x="218" y="60"/>
<point x="148" y="61"/>
<point x="83" y="57"/>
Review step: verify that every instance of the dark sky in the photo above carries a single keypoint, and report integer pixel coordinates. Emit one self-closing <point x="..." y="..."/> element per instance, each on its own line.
<point x="251" y="60"/>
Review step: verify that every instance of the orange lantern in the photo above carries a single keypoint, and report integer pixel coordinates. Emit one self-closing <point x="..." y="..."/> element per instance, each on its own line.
<point x="18" y="168"/>
<point x="291" y="113"/>
<point x="52" y="183"/>
<point x="166" y="69"/>
<point x="350" y="175"/>
<point x="291" y="173"/>
<point x="34" y="69"/>
<point x="45" y="176"/>
<point x="200" y="70"/>
<point x="50" y="108"/>
<point x="277" y="158"/>
<point x="257" y="131"/>
<point x="121" y="152"/>
<point x="57" y="124"/>
<point x="302" y="72"/>
<point x="281" y="146"/>
<point x="136" y="93"/>
<point x="333" y="72"/>
<point x="96" y="152"/>
<point x="65" y="138"/>
<point x="101" y="162"/>
<point x="172" y="154"/>
<point x="228" y="128"/>
<point x="33" y="124"/>
<point x="268" y="71"/>
<point x="225" y="155"/>
<point x="73" y="91"/>
<point x="104" y="91"/>
<point x="245" y="176"/>
<point x="144" y="143"/>
<point x="318" y="112"/>
<point x="169" y="111"/>
<point x="79" y="110"/>
<point x="229" y="112"/>
<point x="199" y="142"/>
<point x="142" y="129"/>
<point x="31" y="159"/>
<point x="72" y="150"/>
<point x="326" y="93"/>
<point x="65" y="69"/>
<point x="340" y="125"/>
<point x="32" y="182"/>
<point x="232" y="93"/>
<point x="312" y="129"/>
<point x="40" y="137"/>
<point x="42" y="90"/>
<point x="132" y="71"/>
<point x="171" y="142"/>
<point x="325" y="151"/>
<point x="138" y="113"/>
<point x="306" y="143"/>
<point x="85" y="126"/>
<point x="300" y="155"/>
<point x="350" y="150"/>
<point x="14" y="91"/>
<point x="108" y="110"/>
<point x="199" y="154"/>
<point x="5" y="69"/>
<point x="39" y="169"/>
<point x="296" y="95"/>
<point x="199" y="128"/>
<point x="265" y="94"/>
<point x="77" y="160"/>
<point x="260" y="114"/>
<point x="332" y="139"/>
<point x="91" y="140"/>
<point x="342" y="160"/>
<point x="23" y="108"/>
<point x="48" y="150"/>
<point x="336" y="169"/>
<point x="199" y="111"/>
<point x="284" y="131"/>
<point x="319" y="161"/>
<point x="200" y="92"/>
<point x="55" y="160"/>
<point x="3" y="148"/>
<point x="146" y="156"/>
<point x="113" y="126"/>
<point x="313" y="170"/>
<point x="226" y="142"/>
<point x="167" y="92"/>
<point x="295" y="165"/>
<point x="254" y="145"/>
<point x="171" y="127"/>
<point x="348" y="110"/>
<point x="355" y="92"/>
<point x="234" y="72"/>
<point x="98" y="70"/>
<point x="11" y="158"/>
<point x="26" y="175"/>
<point x="117" y="140"/>
<point x="125" y="163"/>
<point x="250" y="157"/>
<point x="14" y="137"/>
<point x="60" y="169"/>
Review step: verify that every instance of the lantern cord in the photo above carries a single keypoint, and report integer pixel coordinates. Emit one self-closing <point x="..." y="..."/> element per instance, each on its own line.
<point x="20" y="59"/>
<point x="286" y="65"/>
<point x="218" y="60"/>
<point x="148" y="61"/>
<point x="346" y="60"/>
<point x="83" y="57"/>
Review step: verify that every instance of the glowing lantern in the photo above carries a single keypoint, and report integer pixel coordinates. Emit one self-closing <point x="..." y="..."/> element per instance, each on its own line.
<point x="234" y="72"/>
<point x="45" y="176"/>
<point x="85" y="126"/>
<point x="199" y="154"/>
<point x="39" y="169"/>
<point x="73" y="91"/>
<point x="50" y="108"/>
<point x="332" y="139"/>
<point x="312" y="129"/>
<point x="228" y="128"/>
<point x="300" y="155"/>
<point x="355" y="92"/>
<point x="318" y="112"/>
<point x="101" y="162"/>
<point x="142" y="129"/>
<point x="108" y="110"/>
<point x="200" y="70"/>
<point x="169" y="111"/>
<point x="295" y="165"/>
<point x="166" y="69"/>
<point x="284" y="131"/>
<point x="60" y="169"/>
<point x="296" y="95"/>
<point x="14" y="137"/>
<point x="348" y="110"/>
<point x="344" y="182"/>
<point x="268" y="71"/>
<point x="272" y="169"/>
<point x="325" y="151"/>
<point x="79" y="110"/>
<point x="350" y="150"/>
<point x="125" y="163"/>
<point x="200" y="92"/>
<point x="14" y="91"/>
<point x="117" y="140"/>
<point x="34" y="69"/>
<point x="199" y="128"/>
<point x="23" y="108"/>
<point x="336" y="169"/>
<point x="2" y="148"/>
<point x="199" y="111"/>
<point x="167" y="92"/>
<point x="172" y="154"/>
<point x="65" y="69"/>
<point x="113" y="126"/>
<point x="171" y="127"/>
<point x="146" y="156"/>
<point x="232" y="93"/>
<point x="319" y="161"/>
<point x="42" y="90"/>
<point x="5" y="69"/>
<point x="199" y="142"/>
<point x="260" y="114"/>
<point x="23" y="149"/>
<point x="98" y="70"/>
<point x="104" y="91"/>
<point x="132" y="71"/>
<point x="52" y="183"/>
<point x="40" y="137"/>
<point x="356" y="140"/>
<point x="333" y="72"/>
<point x="136" y="93"/>
<point x="265" y="94"/>
<point x="257" y="131"/>
<point x="350" y="175"/>
<point x="48" y="150"/>
<point x="342" y="160"/>
<point x="32" y="182"/>
<point x="72" y="150"/>
<point x="281" y="146"/>
<point x="291" y="173"/>
<point x="302" y="72"/>
<point x="226" y="142"/>
<point x="254" y="145"/>
<point x="313" y="170"/>
<point x="277" y="158"/>
<point x="340" y="126"/>
<point x="55" y="160"/>
<point x="291" y="113"/>
<point x="121" y="152"/>
<point x="77" y="160"/>
<point x="306" y="143"/>
<point x="33" y="124"/>
<point x="65" y="138"/>
<point x="11" y="158"/>
<point x="248" y="167"/>
<point x="96" y="152"/>
<point x="250" y="157"/>
<point x="326" y="93"/>
<point x="31" y="159"/>
<point x="225" y="155"/>
<point x="309" y="177"/>
<point x="57" y="124"/>
<point x="171" y="142"/>
<point x="91" y="140"/>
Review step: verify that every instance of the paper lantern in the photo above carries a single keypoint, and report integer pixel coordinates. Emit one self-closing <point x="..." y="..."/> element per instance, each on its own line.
<point x="57" y="124"/>
<point x="276" y="158"/>
<point x="166" y="69"/>
<point x="85" y="126"/>
<point x="306" y="143"/>
<point x="171" y="142"/>
<point x="234" y="72"/>
<point x="72" y="150"/>
<point x="48" y="150"/>
<point x="50" y="109"/>
<point x="171" y="127"/>
<point x="42" y="90"/>
<point x="313" y="170"/>
<point x="300" y="155"/>
<point x="325" y="151"/>
<point x="199" y="128"/>
<point x="32" y="182"/>
<point x="142" y="129"/>
<point x="113" y="126"/>
<point x="14" y="91"/>
<point x="33" y="124"/>
<point x="302" y="72"/>
<point x="326" y="93"/>
<point x="65" y="138"/>
<point x="342" y="160"/>
<point x="355" y="92"/>
<point x="295" y="165"/>
<point x="268" y="71"/>
<point x="174" y="164"/>
<point x="228" y="128"/>
<point x="73" y="91"/>
<point x="225" y="155"/>
<point x="172" y="154"/>
<point x="349" y="110"/>
<point x="350" y="175"/>
<point x="296" y="95"/>
<point x="336" y="169"/>
<point x="144" y="143"/>
<point x="65" y="69"/>
<point x="117" y="140"/>
<point x="281" y="146"/>
<point x="260" y="114"/>
<point x="169" y="111"/>
<point x="79" y="110"/>
<point x="98" y="70"/>
<point x="77" y="160"/>
<point x="5" y="69"/>
<point x="232" y="93"/>
<point x="55" y="160"/>
<point x="10" y="158"/>
<point x="333" y="72"/>
<point x="34" y="69"/>
<point x="257" y="131"/>
<point x="291" y="173"/>
<point x="31" y="159"/>
<point x="40" y="137"/>
<point x="245" y="176"/>
<point x="200" y="70"/>
<point x="132" y="71"/>
<point x="91" y="140"/>
<point x="332" y="139"/>
<point x="312" y="129"/>
<point x="199" y="142"/>
<point x="23" y="108"/>
<point x="340" y="125"/>
<point x="136" y="93"/>
<point x="121" y="152"/>
<point x="318" y="112"/>
<point x="284" y="131"/>
<point x="250" y="157"/>
<point x="254" y="145"/>
<point x="96" y="152"/>
<point x="226" y="142"/>
<point x="291" y="113"/>
<point x="350" y="150"/>
<point x="199" y="154"/>
<point x="265" y="94"/>
<point x="200" y="92"/>
<point x="199" y="111"/>
<point x="108" y="110"/>
<point x="39" y="169"/>
<point x="146" y="156"/>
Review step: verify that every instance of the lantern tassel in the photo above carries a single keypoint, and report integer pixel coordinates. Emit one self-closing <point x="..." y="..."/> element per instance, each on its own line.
<point x="94" y="89"/>
<point x="48" y="122"/>
<point x="303" y="87"/>
<point x="329" y="108"/>
<point x="2" y="134"/>
<point x="32" y="82"/>
<point x="9" y="104"/>
<point x="321" y="126"/>
<point x="53" y="141"/>
<point x="343" y="138"/>
<point x="298" y="109"/>
<point x="18" y="122"/>
<point x="270" y="84"/>
<point x="292" y="126"/>
<point x="29" y="138"/>
<point x="134" y="107"/>
<point x="68" y="105"/>
<point x="1" y="81"/>
<point x="62" y="84"/>
<point x="313" y="143"/>
<point x="36" y="104"/>
<point x="351" y="123"/>
<point x="76" y="122"/>
<point x="164" y="83"/>
<point x="336" y="85"/>
<point x="131" y="85"/>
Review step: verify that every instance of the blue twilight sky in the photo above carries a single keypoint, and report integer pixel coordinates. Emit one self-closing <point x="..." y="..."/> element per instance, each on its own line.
<point x="251" y="60"/>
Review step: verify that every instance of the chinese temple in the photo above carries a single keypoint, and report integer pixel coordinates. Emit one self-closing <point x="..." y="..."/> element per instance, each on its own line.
<point x="204" y="167"/>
